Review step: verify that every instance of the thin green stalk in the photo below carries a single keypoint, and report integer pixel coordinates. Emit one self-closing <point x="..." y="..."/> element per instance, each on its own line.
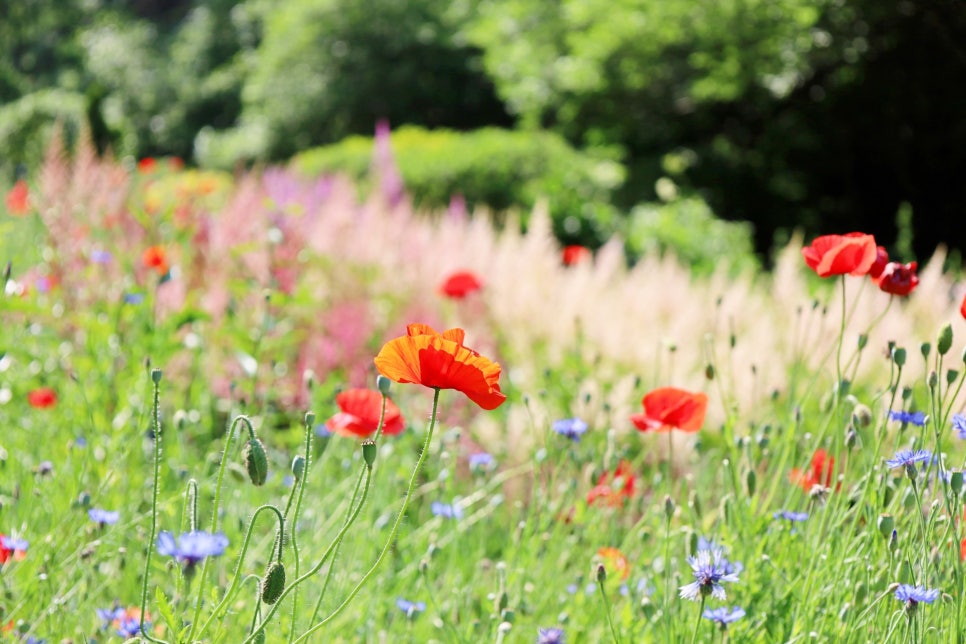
<point x="697" y="622"/>
<point x="156" y="406"/>
<point x="309" y="421"/>
<point x="607" y="609"/>
<point x="203" y="576"/>
<point x="395" y="526"/>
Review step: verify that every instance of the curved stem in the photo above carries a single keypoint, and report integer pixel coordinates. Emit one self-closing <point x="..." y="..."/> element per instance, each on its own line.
<point x="395" y="526"/>
<point x="156" y="408"/>
<point x="309" y="418"/>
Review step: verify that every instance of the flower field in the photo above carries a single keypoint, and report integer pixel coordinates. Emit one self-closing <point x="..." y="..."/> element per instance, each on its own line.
<point x="268" y="407"/>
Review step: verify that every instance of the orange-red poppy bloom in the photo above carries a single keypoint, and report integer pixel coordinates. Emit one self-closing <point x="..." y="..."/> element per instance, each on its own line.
<point x="18" y="199"/>
<point x="147" y="165"/>
<point x="613" y="491"/>
<point x="898" y="279"/>
<point x="881" y="259"/>
<point x="155" y="257"/>
<point x="962" y="308"/>
<point x="359" y="412"/>
<point x="851" y="254"/>
<point x="669" y="408"/>
<point x="820" y="472"/>
<point x="439" y="360"/>
<point x="575" y="254"/>
<point x="615" y="562"/>
<point x="460" y="284"/>
<point x="42" y="398"/>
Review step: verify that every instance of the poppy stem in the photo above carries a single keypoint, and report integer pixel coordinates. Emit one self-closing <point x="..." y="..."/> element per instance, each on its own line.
<point x="156" y="418"/>
<point x="838" y="353"/>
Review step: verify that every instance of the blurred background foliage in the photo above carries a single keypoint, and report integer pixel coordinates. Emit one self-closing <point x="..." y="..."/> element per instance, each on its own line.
<point x="823" y="115"/>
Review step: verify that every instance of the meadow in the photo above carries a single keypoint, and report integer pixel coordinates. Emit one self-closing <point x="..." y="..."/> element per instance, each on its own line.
<point x="190" y="392"/>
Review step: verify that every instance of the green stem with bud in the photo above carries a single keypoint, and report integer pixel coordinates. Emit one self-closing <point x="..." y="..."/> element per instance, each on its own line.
<point x="156" y="417"/>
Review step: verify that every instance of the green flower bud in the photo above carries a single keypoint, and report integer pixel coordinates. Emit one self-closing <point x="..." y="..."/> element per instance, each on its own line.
<point x="933" y="379"/>
<point x="383" y="384"/>
<point x="863" y="340"/>
<point x="924" y="349"/>
<point x="751" y="482"/>
<point x="256" y="461"/>
<point x="668" y="507"/>
<point x="945" y="341"/>
<point x="601" y="573"/>
<point x="298" y="467"/>
<point x="273" y="583"/>
<point x="951" y="376"/>
<point x="310" y="419"/>
<point x="956" y="482"/>
<point x="899" y="356"/>
<point x="861" y="416"/>
<point x="709" y="372"/>
<point x="156" y="376"/>
<point x="369" y="452"/>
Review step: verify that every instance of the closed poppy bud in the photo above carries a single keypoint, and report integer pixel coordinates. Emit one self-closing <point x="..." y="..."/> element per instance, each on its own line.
<point x="751" y="482"/>
<point x="298" y="467"/>
<point x="709" y="372"/>
<point x="956" y="482"/>
<point x="933" y="379"/>
<point x="383" y="384"/>
<point x="863" y="340"/>
<point x="951" y="376"/>
<point x="899" y="356"/>
<point x="369" y="453"/>
<point x="273" y="583"/>
<point x="924" y="349"/>
<point x="156" y="376"/>
<point x="256" y="461"/>
<point x="945" y="342"/>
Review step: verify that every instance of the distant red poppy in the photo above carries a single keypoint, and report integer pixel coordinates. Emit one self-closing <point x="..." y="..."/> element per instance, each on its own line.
<point x="881" y="259"/>
<point x="18" y="198"/>
<point x="42" y="398"/>
<point x="669" y="408"/>
<point x="613" y="491"/>
<point x="460" y="284"/>
<point x="155" y="257"/>
<point x="147" y="165"/>
<point x="439" y="360"/>
<point x="962" y="307"/>
<point x="851" y="254"/>
<point x="175" y="163"/>
<point x="615" y="562"/>
<point x="575" y="254"/>
<point x="898" y="279"/>
<point x="820" y="473"/>
<point x="359" y="414"/>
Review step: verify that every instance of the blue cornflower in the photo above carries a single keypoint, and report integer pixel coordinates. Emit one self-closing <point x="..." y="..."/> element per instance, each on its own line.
<point x="480" y="461"/>
<point x="908" y="458"/>
<point x="410" y="608"/>
<point x="724" y="616"/>
<point x="110" y="614"/>
<point x="912" y="596"/>
<point x="959" y="425"/>
<point x="709" y="572"/>
<point x="130" y="626"/>
<point x="788" y="515"/>
<point x="446" y="510"/>
<point x="322" y="431"/>
<point x="104" y="517"/>
<point x="917" y="418"/>
<point x="550" y="636"/>
<point x="133" y="298"/>
<point x="572" y="428"/>
<point x="192" y="547"/>
<point x="14" y="543"/>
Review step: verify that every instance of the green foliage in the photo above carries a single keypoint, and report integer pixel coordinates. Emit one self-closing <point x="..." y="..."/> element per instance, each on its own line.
<point x="497" y="168"/>
<point x="27" y="123"/>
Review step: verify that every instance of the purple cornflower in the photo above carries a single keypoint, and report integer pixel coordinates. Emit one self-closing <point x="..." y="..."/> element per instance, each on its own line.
<point x="14" y="543"/>
<point x="572" y="428"/>
<point x="724" y="616"/>
<point x="446" y="510"/>
<point x="729" y="567"/>
<point x="100" y="256"/>
<point x="912" y="596"/>
<point x="133" y="298"/>
<point x="916" y="418"/>
<point x="550" y="636"/>
<point x="959" y="425"/>
<point x="480" y="461"/>
<point x="788" y="515"/>
<point x="191" y="547"/>
<point x="322" y="431"/>
<point x="410" y="608"/>
<point x="908" y="458"/>
<point x="709" y="572"/>
<point x="103" y="517"/>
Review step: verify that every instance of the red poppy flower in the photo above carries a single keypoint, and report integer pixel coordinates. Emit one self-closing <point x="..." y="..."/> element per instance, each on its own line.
<point x="898" y="279"/>
<point x="615" y="562"/>
<point x="18" y="199"/>
<point x="881" y="259"/>
<point x="359" y="414"/>
<point x="155" y="257"/>
<point x="147" y="165"/>
<point x="614" y="491"/>
<point x="575" y="254"/>
<point x="42" y="398"/>
<point x="669" y="408"/>
<point x="819" y="474"/>
<point x="851" y="254"/>
<point x="962" y="307"/>
<point x="460" y="284"/>
<point x="440" y="361"/>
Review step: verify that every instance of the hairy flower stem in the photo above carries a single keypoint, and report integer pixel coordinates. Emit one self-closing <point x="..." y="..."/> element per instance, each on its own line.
<point x="309" y="419"/>
<point x="697" y="622"/>
<point x="203" y="576"/>
<point x="156" y="416"/>
<point x="395" y="527"/>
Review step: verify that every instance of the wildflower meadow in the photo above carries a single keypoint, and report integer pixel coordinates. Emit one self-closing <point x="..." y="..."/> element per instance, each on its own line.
<point x="268" y="407"/>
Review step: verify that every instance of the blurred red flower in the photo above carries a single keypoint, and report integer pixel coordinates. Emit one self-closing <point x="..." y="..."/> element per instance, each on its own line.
<point x="155" y="257"/>
<point x="575" y="254"/>
<point x="615" y="562"/>
<point x="881" y="259"/>
<point x="439" y="360"/>
<point x="851" y="254"/>
<point x="147" y="165"/>
<point x="669" y="408"/>
<point x="898" y="279"/>
<point x="962" y="307"/>
<point x="460" y="284"/>
<point x="359" y="414"/>
<point x="18" y="198"/>
<point x="42" y="398"/>
<point x="820" y="472"/>
<point x="613" y="491"/>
